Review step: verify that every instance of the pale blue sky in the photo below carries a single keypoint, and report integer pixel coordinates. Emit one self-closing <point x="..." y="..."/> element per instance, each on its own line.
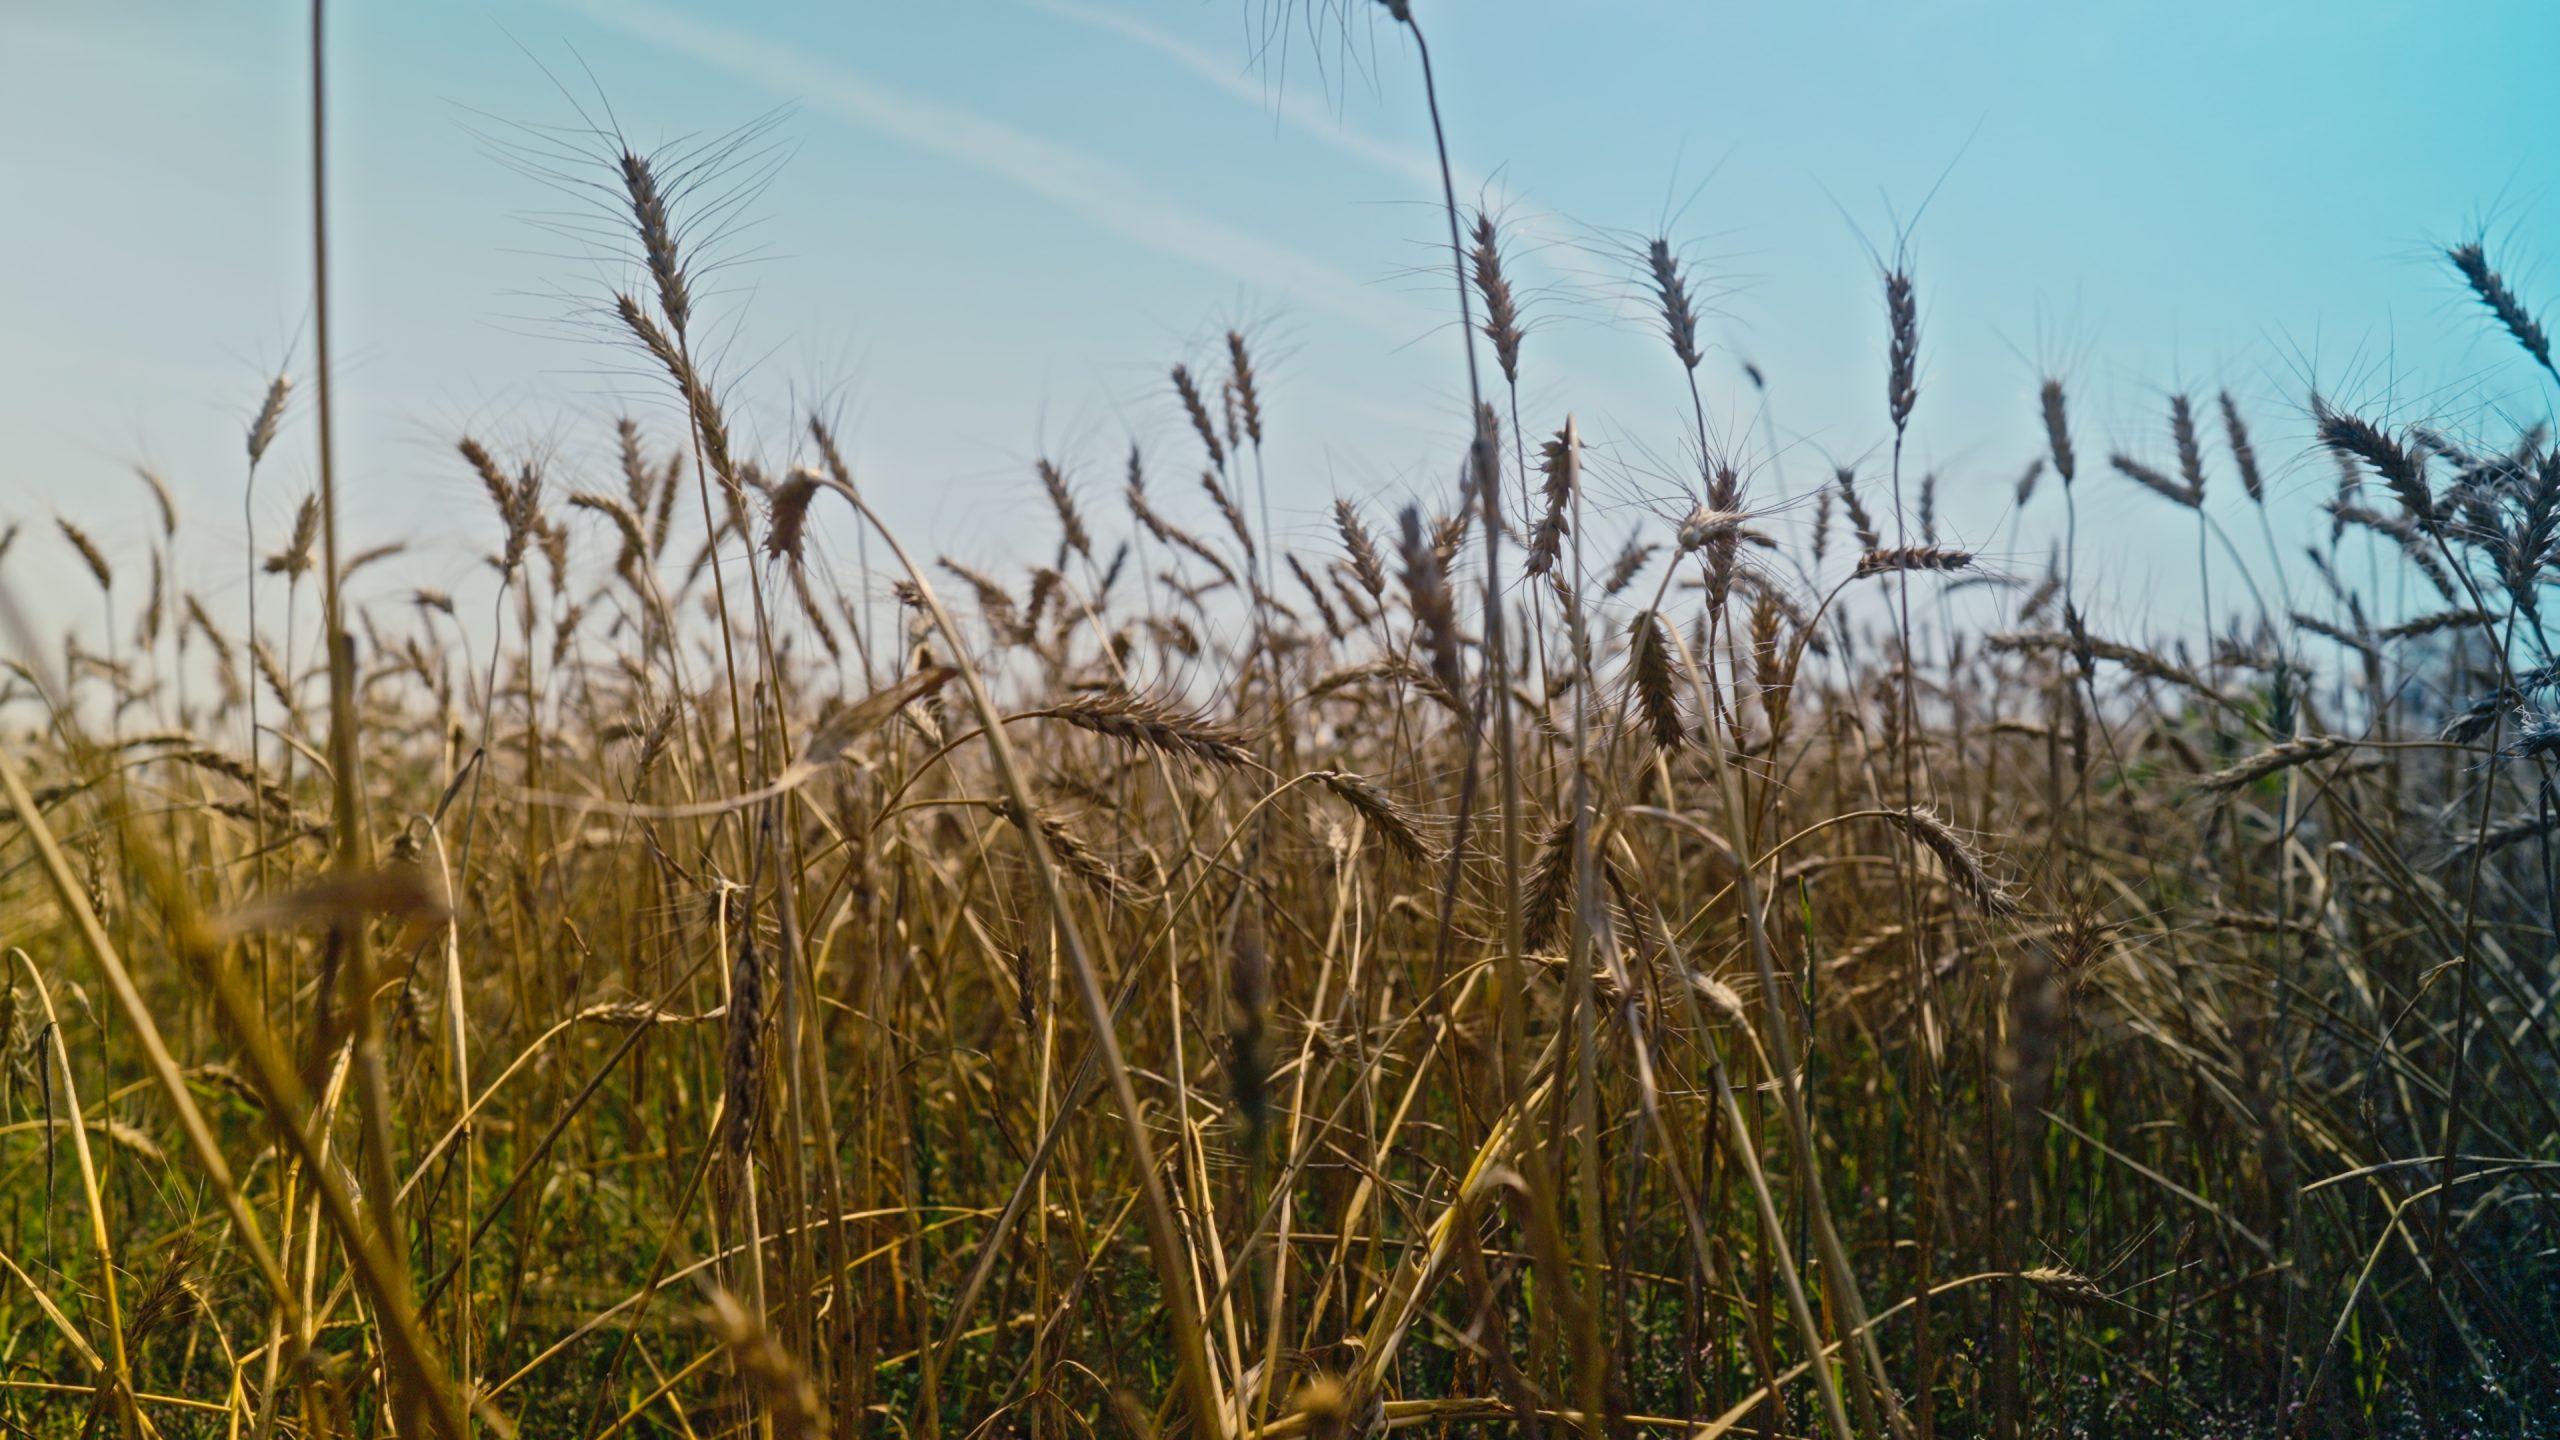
<point x="998" y="221"/>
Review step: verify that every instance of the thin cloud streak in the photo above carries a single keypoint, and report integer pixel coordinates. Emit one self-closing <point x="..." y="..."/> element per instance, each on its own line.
<point x="1311" y="117"/>
<point x="1294" y="109"/>
<point x="1094" y="189"/>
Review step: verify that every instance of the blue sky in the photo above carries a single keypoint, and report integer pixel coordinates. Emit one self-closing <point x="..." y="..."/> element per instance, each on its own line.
<point x="991" y="225"/>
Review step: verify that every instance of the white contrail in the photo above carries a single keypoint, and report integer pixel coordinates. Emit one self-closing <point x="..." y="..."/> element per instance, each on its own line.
<point x="1297" y="110"/>
<point x="1311" y="116"/>
<point x="1103" y="194"/>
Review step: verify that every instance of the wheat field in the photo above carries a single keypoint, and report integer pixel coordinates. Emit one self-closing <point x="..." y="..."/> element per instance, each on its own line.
<point x="1468" y="976"/>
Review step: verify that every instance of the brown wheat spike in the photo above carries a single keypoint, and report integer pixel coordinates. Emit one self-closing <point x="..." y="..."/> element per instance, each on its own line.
<point x="1560" y="464"/>
<point x="160" y="497"/>
<point x="1248" y="395"/>
<point x="1392" y="822"/>
<point x="1391" y="667"/>
<point x="2089" y="648"/>
<point x="154" y="608"/>
<point x="2473" y="261"/>
<point x="1175" y="635"/>
<point x="1651" y="678"/>
<point x="1366" y="567"/>
<point x="1861" y="524"/>
<point x="271" y="671"/>
<point x="1200" y="548"/>
<point x="484" y="466"/>
<point x="2412" y="539"/>
<point x="647" y="331"/>
<point x="1551" y="883"/>
<point x="2537" y="735"/>
<point x="1172" y="534"/>
<point x="1434" y="614"/>
<point x="1070" y="524"/>
<point x="782" y="1391"/>
<point x="817" y="617"/>
<point x="2176" y="492"/>
<point x="294" y="560"/>
<point x="1773" y="665"/>
<point x="262" y="429"/>
<point x="638" y="481"/>
<point x="48" y="796"/>
<point x="625" y="524"/>
<point x="213" y="636"/>
<point x="554" y="540"/>
<point x="2523" y="550"/>
<point x="657" y="239"/>
<point x="214" y="762"/>
<point x="2027" y="481"/>
<point x="994" y="601"/>
<point x="1630" y="563"/>
<point x="1721" y="999"/>
<point x="1964" y="866"/>
<point x="2044" y="594"/>
<point x="1248" y="1034"/>
<point x="1902" y="375"/>
<point x="1671" y="295"/>
<point x="1895" y="558"/>
<point x="2339" y="633"/>
<point x="2441" y="620"/>
<point x="1501" y="322"/>
<point x="1045" y="584"/>
<point x="1192" y="405"/>
<point x="1356" y="602"/>
<point x="1704" y="526"/>
<point x="824" y="437"/>
<point x="1315" y="591"/>
<point x="668" y="486"/>
<point x="2428" y="438"/>
<point x="640" y="1012"/>
<point x="300" y="825"/>
<point x="742" y="1059"/>
<point x="1449" y="535"/>
<point x="1145" y="513"/>
<point x="90" y="555"/>
<point x="2399" y="468"/>
<point x="2274" y="760"/>
<point x="2057" y="431"/>
<point x="1821" y="525"/>
<point x="1228" y="511"/>
<point x="172" y="1296"/>
<point x="1155" y="724"/>
<point x="513" y="503"/>
<point x="1078" y="858"/>
<point x="2067" y="1286"/>
<point x="786" y="532"/>
<point x="2350" y="488"/>
<point x="711" y="430"/>
<point x="2182" y="428"/>
<point x="1483" y="475"/>
<point x="2243" y="453"/>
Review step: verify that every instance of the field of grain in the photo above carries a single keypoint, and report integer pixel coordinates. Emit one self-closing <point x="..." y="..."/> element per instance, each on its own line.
<point x="1468" y="977"/>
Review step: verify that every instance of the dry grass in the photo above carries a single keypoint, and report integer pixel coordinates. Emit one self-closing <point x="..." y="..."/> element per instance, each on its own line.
<point x="1626" y="997"/>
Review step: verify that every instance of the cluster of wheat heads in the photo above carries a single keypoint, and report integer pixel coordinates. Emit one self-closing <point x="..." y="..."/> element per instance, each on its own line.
<point x="1449" y="977"/>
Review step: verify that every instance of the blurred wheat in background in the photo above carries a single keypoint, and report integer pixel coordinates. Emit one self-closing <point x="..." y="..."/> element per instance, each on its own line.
<point x="1464" y="977"/>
